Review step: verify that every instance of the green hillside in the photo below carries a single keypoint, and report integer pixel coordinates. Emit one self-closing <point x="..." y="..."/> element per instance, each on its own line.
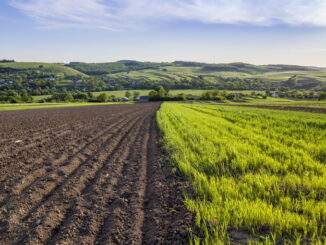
<point x="145" y="73"/>
<point x="306" y="77"/>
<point x="46" y="67"/>
<point x="44" y="78"/>
<point x="112" y="67"/>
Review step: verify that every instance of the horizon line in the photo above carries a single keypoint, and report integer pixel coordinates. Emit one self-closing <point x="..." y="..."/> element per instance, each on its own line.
<point x="208" y="63"/>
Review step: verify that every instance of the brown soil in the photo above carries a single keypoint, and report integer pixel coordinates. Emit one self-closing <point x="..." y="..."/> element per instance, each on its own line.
<point x="88" y="175"/>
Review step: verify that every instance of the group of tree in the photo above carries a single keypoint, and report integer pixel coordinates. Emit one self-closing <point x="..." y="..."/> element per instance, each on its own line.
<point x="162" y="94"/>
<point x="296" y="94"/>
<point x="6" y="61"/>
<point x="12" y="96"/>
<point x="78" y="96"/>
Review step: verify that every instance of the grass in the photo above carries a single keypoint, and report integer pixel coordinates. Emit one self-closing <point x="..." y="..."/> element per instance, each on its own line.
<point x="47" y="67"/>
<point x="10" y="107"/>
<point x="256" y="172"/>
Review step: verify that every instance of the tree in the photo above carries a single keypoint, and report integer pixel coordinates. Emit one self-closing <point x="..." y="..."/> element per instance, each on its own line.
<point x="153" y="95"/>
<point x="292" y="81"/>
<point x="90" y="95"/>
<point x="136" y="94"/>
<point x="161" y="92"/>
<point x="24" y="96"/>
<point x="207" y="95"/>
<point x="103" y="97"/>
<point x="127" y="94"/>
<point x="230" y="96"/>
<point x="322" y="96"/>
<point x="14" y="97"/>
<point x="68" y="97"/>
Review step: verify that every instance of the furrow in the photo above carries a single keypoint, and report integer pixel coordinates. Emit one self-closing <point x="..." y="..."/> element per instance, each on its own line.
<point x="83" y="223"/>
<point x="48" y="165"/>
<point x="64" y="158"/>
<point x="22" y="209"/>
<point x="71" y="188"/>
<point x="123" y="222"/>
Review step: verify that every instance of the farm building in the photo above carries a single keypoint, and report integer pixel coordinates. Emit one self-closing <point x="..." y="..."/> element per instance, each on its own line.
<point x="124" y="99"/>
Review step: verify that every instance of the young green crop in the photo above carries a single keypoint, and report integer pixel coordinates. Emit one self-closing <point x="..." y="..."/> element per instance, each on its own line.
<point x="256" y="172"/>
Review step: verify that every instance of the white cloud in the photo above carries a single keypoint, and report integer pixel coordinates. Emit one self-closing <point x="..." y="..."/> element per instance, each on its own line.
<point x="124" y="14"/>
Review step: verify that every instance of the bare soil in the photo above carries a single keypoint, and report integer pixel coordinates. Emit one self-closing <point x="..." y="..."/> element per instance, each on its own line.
<point x="88" y="175"/>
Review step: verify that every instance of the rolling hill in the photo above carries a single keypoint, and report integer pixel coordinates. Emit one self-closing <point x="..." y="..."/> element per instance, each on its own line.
<point x="307" y="77"/>
<point x="113" y="67"/>
<point x="46" y="67"/>
<point x="182" y="74"/>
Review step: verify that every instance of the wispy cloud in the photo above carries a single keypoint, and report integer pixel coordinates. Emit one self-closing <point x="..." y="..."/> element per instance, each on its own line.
<point x="125" y="14"/>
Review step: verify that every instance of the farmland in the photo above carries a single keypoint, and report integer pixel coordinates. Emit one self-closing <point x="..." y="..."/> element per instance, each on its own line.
<point x="222" y="174"/>
<point x="259" y="175"/>
<point x="87" y="175"/>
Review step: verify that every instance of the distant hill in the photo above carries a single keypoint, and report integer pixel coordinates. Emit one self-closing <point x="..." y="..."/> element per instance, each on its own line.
<point x="46" y="67"/>
<point x="254" y="69"/>
<point x="113" y="67"/>
<point x="127" y="74"/>
<point x="188" y="63"/>
<point x="204" y="75"/>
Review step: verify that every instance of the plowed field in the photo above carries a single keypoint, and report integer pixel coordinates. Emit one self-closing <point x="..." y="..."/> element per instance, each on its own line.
<point x="87" y="175"/>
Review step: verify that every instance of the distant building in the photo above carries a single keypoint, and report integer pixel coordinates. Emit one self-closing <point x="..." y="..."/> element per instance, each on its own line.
<point x="275" y="95"/>
<point x="124" y="99"/>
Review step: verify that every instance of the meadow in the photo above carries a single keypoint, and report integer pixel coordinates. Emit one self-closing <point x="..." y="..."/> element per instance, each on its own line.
<point x="259" y="175"/>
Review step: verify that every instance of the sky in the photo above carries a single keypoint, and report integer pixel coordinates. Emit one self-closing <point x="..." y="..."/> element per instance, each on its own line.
<point x="213" y="31"/>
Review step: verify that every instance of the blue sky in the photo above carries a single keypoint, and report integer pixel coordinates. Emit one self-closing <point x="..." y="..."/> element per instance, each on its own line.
<point x="217" y="31"/>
